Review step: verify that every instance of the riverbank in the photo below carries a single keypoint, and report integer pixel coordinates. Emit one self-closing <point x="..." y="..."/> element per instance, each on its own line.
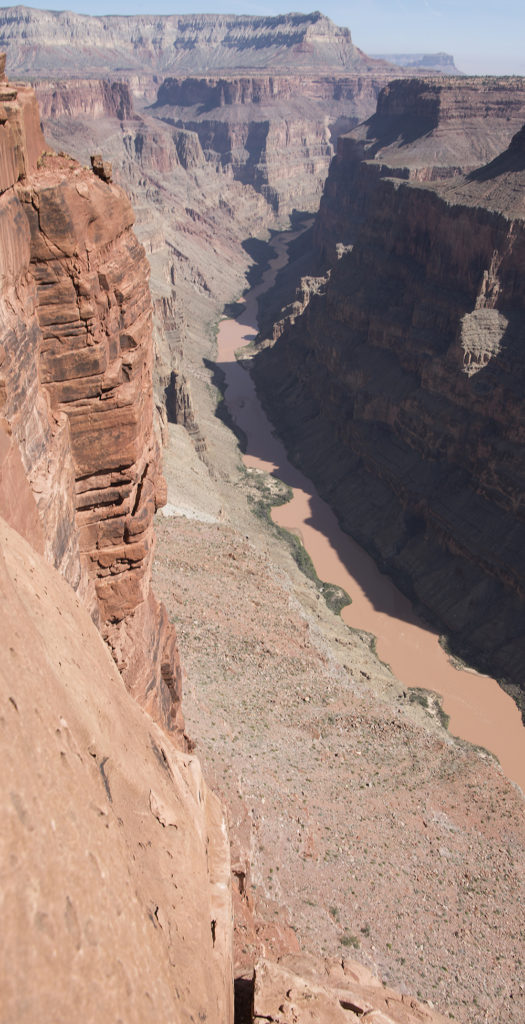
<point x="479" y="711"/>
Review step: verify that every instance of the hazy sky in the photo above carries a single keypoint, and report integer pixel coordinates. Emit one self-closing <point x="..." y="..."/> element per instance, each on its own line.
<point x="484" y="36"/>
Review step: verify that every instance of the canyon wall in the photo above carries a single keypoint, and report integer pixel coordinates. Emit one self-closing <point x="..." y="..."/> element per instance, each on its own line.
<point x="244" y="124"/>
<point x="187" y="43"/>
<point x="115" y="862"/>
<point x="77" y="392"/>
<point x="116" y="871"/>
<point x="84" y="98"/>
<point x="397" y="381"/>
<point x="421" y="131"/>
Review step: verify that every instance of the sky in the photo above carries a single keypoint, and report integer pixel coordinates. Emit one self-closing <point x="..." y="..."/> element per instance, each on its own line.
<point x="484" y="36"/>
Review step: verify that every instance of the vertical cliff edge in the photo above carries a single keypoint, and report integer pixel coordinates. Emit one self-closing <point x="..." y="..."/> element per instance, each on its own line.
<point x="115" y="857"/>
<point x="77" y="398"/>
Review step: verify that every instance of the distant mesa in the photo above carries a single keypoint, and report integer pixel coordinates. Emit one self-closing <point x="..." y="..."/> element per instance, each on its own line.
<point x="443" y="62"/>
<point x="40" y="41"/>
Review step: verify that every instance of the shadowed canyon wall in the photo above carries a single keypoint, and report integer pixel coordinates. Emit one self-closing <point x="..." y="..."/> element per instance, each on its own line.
<point x="244" y="124"/>
<point x="398" y="377"/>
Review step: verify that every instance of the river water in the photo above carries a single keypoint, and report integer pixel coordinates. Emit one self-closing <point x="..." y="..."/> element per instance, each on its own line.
<point x="480" y="711"/>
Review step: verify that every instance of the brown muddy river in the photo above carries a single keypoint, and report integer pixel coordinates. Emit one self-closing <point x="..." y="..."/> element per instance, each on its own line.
<point x="480" y="711"/>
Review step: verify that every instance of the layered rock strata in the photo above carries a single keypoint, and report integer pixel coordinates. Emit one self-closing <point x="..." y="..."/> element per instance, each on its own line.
<point x="400" y="384"/>
<point x="114" y="854"/>
<point x="77" y="392"/>
<point x="84" y="98"/>
<point x="244" y="124"/>
<point x="187" y="43"/>
<point x="421" y="131"/>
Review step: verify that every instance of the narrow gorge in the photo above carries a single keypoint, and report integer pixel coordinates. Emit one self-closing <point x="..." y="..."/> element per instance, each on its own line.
<point x="410" y="346"/>
<point x="339" y="855"/>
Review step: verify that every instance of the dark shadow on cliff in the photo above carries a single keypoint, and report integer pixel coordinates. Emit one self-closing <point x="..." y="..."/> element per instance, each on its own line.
<point x="510" y="161"/>
<point x="261" y="252"/>
<point x="243" y="990"/>
<point x="490" y="634"/>
<point x="402" y="130"/>
<point x="218" y="380"/>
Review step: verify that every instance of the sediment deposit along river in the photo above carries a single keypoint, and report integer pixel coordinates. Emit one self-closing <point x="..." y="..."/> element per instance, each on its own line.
<point x="480" y="711"/>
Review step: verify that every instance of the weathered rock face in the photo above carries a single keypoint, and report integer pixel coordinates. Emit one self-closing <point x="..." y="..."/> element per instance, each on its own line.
<point x="38" y="440"/>
<point x="244" y="124"/>
<point x="77" y="392"/>
<point x="114" y="853"/>
<point x="84" y="98"/>
<point x="301" y="990"/>
<point x="400" y="386"/>
<point x="190" y="43"/>
<point x="422" y="131"/>
<point x="270" y="90"/>
<point x="434" y="125"/>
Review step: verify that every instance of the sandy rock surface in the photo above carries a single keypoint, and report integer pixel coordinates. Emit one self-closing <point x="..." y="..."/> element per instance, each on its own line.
<point x="299" y="989"/>
<point x="108" y="892"/>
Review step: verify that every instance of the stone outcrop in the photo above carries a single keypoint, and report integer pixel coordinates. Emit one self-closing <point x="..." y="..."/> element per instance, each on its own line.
<point x="77" y="395"/>
<point x="115" y="862"/>
<point x="115" y="855"/>
<point x="302" y="990"/>
<point x="399" y="385"/>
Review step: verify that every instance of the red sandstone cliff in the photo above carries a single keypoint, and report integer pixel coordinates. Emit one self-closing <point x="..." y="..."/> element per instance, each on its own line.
<point x="400" y="385"/>
<point x="115" y="859"/>
<point x="77" y="392"/>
